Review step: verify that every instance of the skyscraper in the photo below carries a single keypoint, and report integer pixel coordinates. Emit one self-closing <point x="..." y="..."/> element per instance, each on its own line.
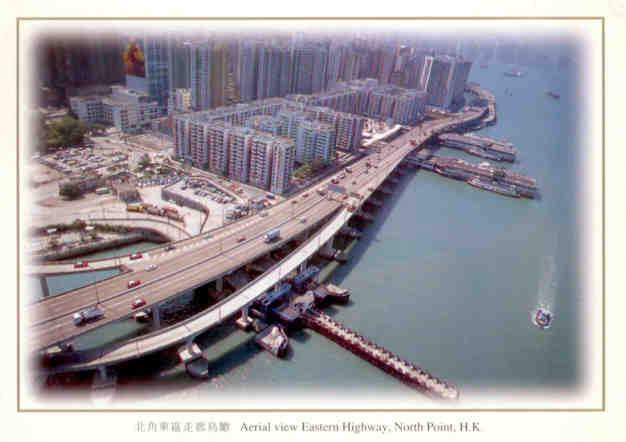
<point x="219" y="75"/>
<point x="179" y="60"/>
<point x="320" y="67"/>
<point x="65" y="66"/>
<point x="201" y="61"/>
<point x="269" y="70"/>
<point x="304" y="60"/>
<point x="247" y="71"/>
<point x="440" y="81"/>
<point x="146" y="61"/>
<point x="459" y="79"/>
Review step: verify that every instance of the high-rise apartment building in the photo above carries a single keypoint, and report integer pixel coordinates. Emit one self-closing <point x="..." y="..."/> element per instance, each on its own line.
<point x="446" y="79"/>
<point x="320" y="68"/>
<point x="315" y="141"/>
<point x="304" y="60"/>
<point x="247" y="69"/>
<point x="266" y="123"/>
<point x="179" y="59"/>
<point x="239" y="149"/>
<point x="349" y="131"/>
<point x="261" y="155"/>
<point x="283" y="159"/>
<point x="286" y="72"/>
<point x="269" y="70"/>
<point x="64" y="67"/>
<point x="201" y="63"/>
<point x="459" y="79"/>
<point x="440" y="81"/>
<point x="219" y="142"/>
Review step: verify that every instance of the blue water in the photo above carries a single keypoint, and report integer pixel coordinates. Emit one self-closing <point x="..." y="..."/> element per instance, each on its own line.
<point x="121" y="251"/>
<point x="446" y="276"/>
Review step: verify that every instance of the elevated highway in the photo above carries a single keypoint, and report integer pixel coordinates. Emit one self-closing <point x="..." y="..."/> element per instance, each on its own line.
<point x="203" y="259"/>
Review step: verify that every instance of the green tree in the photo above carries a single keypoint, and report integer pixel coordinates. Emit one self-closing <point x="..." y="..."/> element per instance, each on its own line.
<point x="317" y="164"/>
<point x="144" y="161"/>
<point x="65" y="132"/>
<point x="97" y="128"/>
<point x="70" y="190"/>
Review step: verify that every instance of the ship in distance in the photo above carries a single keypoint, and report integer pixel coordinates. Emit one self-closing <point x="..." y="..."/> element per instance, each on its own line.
<point x="554" y="95"/>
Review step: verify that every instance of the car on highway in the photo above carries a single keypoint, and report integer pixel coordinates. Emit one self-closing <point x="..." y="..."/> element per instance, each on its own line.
<point x="136" y="255"/>
<point x="139" y="302"/>
<point x="354" y="182"/>
<point x="92" y="313"/>
<point x="170" y="247"/>
<point x="306" y="194"/>
<point x="81" y="264"/>
<point x="342" y="176"/>
<point x="133" y="283"/>
<point x="151" y="267"/>
<point x="263" y="214"/>
<point x="294" y="201"/>
<point x="241" y="239"/>
<point x="303" y="220"/>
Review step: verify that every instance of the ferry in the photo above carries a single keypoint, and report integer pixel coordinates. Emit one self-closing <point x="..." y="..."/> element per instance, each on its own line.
<point x="514" y="73"/>
<point x="542" y="317"/>
<point x="554" y="95"/>
<point x="493" y="187"/>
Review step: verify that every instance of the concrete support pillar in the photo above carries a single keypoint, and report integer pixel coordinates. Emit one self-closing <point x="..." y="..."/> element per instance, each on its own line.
<point x="44" y="286"/>
<point x="244" y="313"/>
<point x="156" y="316"/>
<point x="102" y="372"/>
<point x="219" y="284"/>
<point x="189" y="341"/>
<point x="327" y="248"/>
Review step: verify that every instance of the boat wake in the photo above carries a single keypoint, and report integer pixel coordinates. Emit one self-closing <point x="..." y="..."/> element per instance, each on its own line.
<point x="542" y="315"/>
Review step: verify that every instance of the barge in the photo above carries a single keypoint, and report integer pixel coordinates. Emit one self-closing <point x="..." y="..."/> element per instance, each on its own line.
<point x="493" y="187"/>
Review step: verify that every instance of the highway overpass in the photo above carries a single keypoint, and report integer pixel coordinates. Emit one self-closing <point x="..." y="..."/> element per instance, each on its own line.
<point x="207" y="259"/>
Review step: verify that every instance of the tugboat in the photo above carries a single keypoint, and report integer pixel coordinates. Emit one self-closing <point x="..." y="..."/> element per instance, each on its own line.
<point x="542" y="317"/>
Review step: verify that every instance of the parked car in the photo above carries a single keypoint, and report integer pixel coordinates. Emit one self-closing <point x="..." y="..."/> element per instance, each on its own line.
<point x="139" y="302"/>
<point x="136" y="255"/>
<point x="133" y="283"/>
<point x="81" y="264"/>
<point x="170" y="247"/>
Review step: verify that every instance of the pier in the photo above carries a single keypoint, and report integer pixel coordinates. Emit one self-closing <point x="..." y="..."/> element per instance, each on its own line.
<point x="481" y="175"/>
<point x="361" y="346"/>
<point x="484" y="147"/>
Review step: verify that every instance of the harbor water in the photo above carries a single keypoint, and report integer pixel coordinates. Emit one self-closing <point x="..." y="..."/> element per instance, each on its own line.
<point x="446" y="276"/>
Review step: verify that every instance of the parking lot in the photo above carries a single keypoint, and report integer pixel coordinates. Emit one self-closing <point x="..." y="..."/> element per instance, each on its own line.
<point x="204" y="193"/>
